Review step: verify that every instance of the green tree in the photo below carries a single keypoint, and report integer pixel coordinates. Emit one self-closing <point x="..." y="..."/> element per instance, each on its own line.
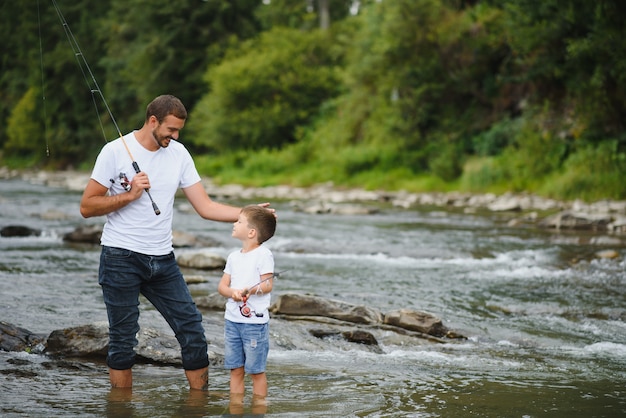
<point x="135" y="50"/>
<point x="163" y="47"/>
<point x="568" y="56"/>
<point x="570" y="52"/>
<point x="70" y="126"/>
<point x="19" y="30"/>
<point x="420" y="80"/>
<point x="265" y="89"/>
<point x="303" y="14"/>
<point x="24" y="127"/>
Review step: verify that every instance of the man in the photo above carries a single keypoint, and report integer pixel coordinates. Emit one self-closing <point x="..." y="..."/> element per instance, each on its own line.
<point x="137" y="254"/>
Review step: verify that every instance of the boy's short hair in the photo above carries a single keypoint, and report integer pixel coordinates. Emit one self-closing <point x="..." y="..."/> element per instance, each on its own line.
<point x="261" y="219"/>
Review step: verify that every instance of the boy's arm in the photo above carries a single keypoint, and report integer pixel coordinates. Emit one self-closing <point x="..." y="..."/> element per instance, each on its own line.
<point x="264" y="287"/>
<point x="225" y="290"/>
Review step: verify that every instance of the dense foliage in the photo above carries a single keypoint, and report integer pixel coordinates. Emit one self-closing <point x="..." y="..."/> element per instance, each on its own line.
<point x="482" y="95"/>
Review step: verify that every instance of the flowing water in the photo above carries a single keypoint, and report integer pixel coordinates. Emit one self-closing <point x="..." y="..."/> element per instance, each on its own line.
<point x="545" y="319"/>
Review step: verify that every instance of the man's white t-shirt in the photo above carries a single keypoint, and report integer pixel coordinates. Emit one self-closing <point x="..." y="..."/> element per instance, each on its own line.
<point x="136" y="227"/>
<point x="245" y="271"/>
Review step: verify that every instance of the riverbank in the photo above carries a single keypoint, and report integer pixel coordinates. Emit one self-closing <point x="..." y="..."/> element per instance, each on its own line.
<point x="602" y="217"/>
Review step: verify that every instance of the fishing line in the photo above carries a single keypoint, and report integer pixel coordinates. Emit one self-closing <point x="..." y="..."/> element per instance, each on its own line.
<point x="43" y="88"/>
<point x="95" y="88"/>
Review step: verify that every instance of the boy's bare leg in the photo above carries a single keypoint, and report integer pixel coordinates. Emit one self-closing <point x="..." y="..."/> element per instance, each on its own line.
<point x="259" y="384"/>
<point x="198" y="379"/>
<point x="259" y="405"/>
<point x="237" y="381"/>
<point x="235" y="406"/>
<point x="121" y="378"/>
<point x="237" y="389"/>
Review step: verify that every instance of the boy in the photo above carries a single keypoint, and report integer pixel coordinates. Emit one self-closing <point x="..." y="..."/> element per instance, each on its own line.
<point x="247" y="283"/>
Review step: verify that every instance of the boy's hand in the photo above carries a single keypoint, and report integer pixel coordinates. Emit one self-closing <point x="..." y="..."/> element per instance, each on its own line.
<point x="237" y="295"/>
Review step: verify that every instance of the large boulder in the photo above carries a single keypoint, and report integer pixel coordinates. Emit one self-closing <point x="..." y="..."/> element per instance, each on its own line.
<point x="211" y="302"/>
<point x="306" y="305"/>
<point x="416" y="321"/>
<point x="92" y="340"/>
<point x="203" y="260"/>
<point x="82" y="341"/>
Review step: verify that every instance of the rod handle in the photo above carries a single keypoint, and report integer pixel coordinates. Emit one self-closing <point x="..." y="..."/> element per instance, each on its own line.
<point x="156" y="209"/>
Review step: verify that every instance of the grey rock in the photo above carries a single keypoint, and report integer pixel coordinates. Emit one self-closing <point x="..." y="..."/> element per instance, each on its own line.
<point x="306" y="305"/>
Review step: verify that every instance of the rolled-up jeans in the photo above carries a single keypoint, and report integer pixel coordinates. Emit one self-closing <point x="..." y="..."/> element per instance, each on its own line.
<point x="123" y="275"/>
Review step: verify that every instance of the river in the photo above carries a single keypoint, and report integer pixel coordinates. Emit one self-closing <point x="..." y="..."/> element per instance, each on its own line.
<point x="545" y="319"/>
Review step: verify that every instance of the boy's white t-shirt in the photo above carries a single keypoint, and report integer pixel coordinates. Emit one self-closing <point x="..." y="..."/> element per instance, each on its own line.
<point x="136" y="227"/>
<point x="245" y="271"/>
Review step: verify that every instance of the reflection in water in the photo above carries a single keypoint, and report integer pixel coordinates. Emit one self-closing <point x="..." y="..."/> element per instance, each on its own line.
<point x="119" y="403"/>
<point x="236" y="406"/>
<point x="259" y="405"/>
<point x="196" y="404"/>
<point x="122" y="402"/>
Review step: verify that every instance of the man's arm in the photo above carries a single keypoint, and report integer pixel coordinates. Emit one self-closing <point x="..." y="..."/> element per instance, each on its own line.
<point x="95" y="201"/>
<point x="208" y="208"/>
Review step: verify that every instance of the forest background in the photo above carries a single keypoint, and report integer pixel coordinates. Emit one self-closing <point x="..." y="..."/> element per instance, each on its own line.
<point x="420" y="95"/>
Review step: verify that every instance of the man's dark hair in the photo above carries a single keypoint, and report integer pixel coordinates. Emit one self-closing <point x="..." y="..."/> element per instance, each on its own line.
<point x="165" y="105"/>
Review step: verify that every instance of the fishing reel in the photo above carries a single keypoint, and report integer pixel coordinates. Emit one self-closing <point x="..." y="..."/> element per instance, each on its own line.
<point x="124" y="182"/>
<point x="246" y="311"/>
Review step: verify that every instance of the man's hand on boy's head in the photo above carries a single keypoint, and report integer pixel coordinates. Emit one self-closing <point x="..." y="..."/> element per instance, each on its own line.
<point x="266" y="205"/>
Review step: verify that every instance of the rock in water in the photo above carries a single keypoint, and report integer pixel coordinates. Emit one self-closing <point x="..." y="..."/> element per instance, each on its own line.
<point x="416" y="321"/>
<point x="19" y="231"/>
<point x="13" y="338"/>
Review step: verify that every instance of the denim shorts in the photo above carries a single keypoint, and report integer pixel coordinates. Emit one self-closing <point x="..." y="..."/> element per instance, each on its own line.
<point x="246" y="345"/>
<point x="125" y="274"/>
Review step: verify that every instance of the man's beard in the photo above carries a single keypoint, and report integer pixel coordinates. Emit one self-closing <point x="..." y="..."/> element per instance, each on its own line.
<point x="162" y="140"/>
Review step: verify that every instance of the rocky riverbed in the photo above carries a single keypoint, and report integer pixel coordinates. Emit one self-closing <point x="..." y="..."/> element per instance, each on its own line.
<point x="605" y="219"/>
<point x="335" y="320"/>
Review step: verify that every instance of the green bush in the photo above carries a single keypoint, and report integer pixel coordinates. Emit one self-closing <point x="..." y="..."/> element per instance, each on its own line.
<point x="591" y="173"/>
<point x="25" y="133"/>
<point x="484" y="174"/>
<point x="265" y="89"/>
<point x="497" y="138"/>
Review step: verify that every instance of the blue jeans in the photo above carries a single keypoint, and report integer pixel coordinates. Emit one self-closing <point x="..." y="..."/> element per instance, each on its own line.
<point x="246" y="345"/>
<point x="125" y="274"/>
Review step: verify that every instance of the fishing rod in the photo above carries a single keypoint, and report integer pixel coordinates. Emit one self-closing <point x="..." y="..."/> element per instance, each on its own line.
<point x="273" y="276"/>
<point x="244" y="308"/>
<point x="78" y="53"/>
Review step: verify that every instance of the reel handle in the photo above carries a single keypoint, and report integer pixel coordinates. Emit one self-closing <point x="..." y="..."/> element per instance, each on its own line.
<point x="156" y="209"/>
